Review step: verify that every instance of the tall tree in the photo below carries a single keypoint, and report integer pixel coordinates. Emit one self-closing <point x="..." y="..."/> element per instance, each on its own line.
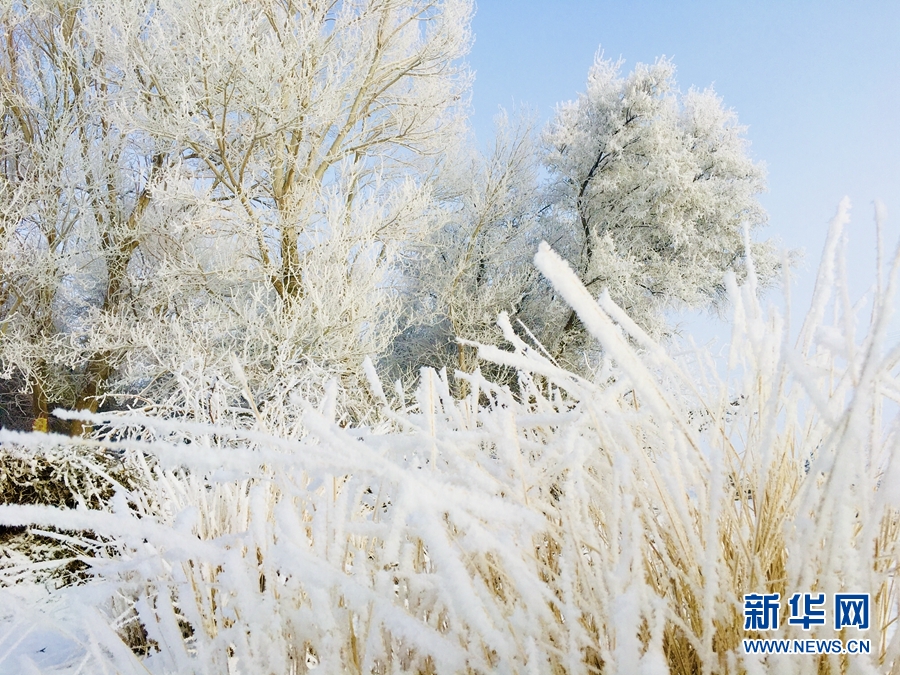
<point x="656" y="188"/>
<point x="74" y="189"/>
<point x="188" y="180"/>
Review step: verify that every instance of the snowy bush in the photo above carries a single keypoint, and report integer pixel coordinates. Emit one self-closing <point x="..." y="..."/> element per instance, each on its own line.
<point x="610" y="525"/>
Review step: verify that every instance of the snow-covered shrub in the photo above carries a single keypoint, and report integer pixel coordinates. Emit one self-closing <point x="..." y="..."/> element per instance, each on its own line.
<point x="603" y="526"/>
<point x="58" y="476"/>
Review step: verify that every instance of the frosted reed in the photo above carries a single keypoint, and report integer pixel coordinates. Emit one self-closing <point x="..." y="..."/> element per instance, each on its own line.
<point x="570" y="526"/>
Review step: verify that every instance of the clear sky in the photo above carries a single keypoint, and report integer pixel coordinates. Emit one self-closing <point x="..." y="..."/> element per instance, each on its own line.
<point x="816" y="81"/>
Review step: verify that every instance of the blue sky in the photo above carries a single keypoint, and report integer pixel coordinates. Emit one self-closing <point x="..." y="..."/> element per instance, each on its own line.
<point x="817" y="83"/>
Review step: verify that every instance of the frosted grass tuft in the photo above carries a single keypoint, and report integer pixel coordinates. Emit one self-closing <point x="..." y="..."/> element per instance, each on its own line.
<point x="569" y="526"/>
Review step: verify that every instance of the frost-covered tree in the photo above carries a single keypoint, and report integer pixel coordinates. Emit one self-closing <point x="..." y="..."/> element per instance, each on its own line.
<point x="186" y="181"/>
<point x="75" y="204"/>
<point x="291" y="111"/>
<point x="656" y="188"/>
<point x="477" y="263"/>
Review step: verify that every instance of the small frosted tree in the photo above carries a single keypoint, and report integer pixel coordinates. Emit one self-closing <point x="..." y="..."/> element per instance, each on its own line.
<point x="477" y="263"/>
<point x="655" y="188"/>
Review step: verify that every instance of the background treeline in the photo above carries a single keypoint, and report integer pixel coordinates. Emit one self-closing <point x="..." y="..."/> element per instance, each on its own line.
<point x="294" y="185"/>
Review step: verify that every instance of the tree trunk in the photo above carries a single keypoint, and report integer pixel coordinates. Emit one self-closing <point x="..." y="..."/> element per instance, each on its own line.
<point x="96" y="374"/>
<point x="39" y="408"/>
